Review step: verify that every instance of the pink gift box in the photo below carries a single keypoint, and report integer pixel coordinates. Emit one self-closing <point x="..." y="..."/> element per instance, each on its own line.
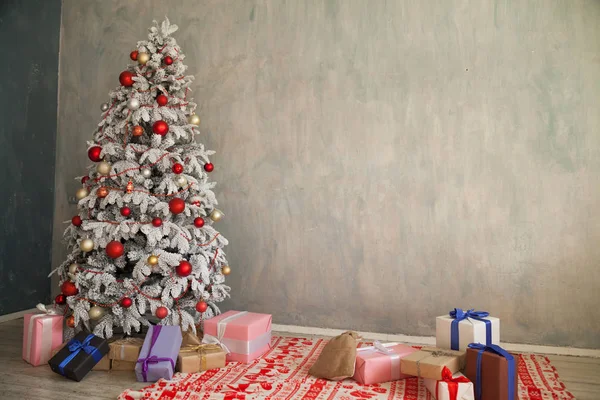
<point x="244" y="335"/>
<point x="42" y="333"/>
<point x="380" y="363"/>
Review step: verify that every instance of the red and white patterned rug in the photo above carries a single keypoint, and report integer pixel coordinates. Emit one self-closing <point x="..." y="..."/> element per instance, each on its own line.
<point x="282" y="373"/>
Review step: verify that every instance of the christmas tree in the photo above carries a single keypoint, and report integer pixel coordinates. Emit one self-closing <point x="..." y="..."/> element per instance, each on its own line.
<point x="142" y="247"/>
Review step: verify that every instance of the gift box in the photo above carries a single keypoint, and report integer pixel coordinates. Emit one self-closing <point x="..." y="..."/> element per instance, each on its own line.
<point x="243" y="335"/>
<point x="202" y="357"/>
<point x="159" y="353"/>
<point x="433" y="363"/>
<point x="79" y="356"/>
<point x="120" y="365"/>
<point x="189" y="338"/>
<point x="103" y="364"/>
<point x="460" y="328"/>
<point x="125" y="349"/>
<point x="455" y="387"/>
<point x="493" y="371"/>
<point x="41" y="334"/>
<point x="380" y="363"/>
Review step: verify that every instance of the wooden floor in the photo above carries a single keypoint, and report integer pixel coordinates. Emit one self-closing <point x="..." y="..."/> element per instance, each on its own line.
<point x="21" y="381"/>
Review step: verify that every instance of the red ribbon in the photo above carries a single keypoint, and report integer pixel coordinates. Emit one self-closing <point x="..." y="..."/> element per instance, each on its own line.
<point x="451" y="382"/>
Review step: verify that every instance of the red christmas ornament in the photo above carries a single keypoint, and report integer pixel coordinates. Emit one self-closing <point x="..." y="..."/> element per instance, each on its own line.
<point x="161" y="312"/>
<point x="162" y="100"/>
<point x="94" y="153"/>
<point x="76" y="220"/>
<point x="133" y="55"/>
<point x="126" y="302"/>
<point x="160" y="128"/>
<point x="201" y="306"/>
<point x="184" y="268"/>
<point x="168" y="60"/>
<point x="125" y="211"/>
<point x="126" y="78"/>
<point x="114" y="249"/>
<point x="209" y="167"/>
<point x="85" y="179"/>
<point x="199" y="222"/>
<point x="176" y="205"/>
<point x="68" y="288"/>
<point x="177" y="168"/>
<point x="156" y="222"/>
<point x="60" y="299"/>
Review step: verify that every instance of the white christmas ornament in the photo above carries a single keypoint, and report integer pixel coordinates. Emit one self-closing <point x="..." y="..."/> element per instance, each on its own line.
<point x="133" y="104"/>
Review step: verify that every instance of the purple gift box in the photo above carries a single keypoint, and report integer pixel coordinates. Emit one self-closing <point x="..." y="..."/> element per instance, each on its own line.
<point x="159" y="353"/>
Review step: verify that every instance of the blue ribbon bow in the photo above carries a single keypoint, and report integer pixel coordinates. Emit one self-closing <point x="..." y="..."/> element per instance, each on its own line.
<point x="459" y="315"/>
<point x="494" y="348"/>
<point x="75" y="347"/>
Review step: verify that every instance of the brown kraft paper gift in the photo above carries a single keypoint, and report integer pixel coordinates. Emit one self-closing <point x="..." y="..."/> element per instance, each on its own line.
<point x="494" y="375"/>
<point x="125" y="349"/>
<point x="202" y="357"/>
<point x="120" y="365"/>
<point x="429" y="362"/>
<point x="189" y="338"/>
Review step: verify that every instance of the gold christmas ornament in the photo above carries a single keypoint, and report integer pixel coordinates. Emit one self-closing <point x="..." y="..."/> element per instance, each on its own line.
<point x="81" y="193"/>
<point x="152" y="260"/>
<point x="86" y="245"/>
<point x="225" y="270"/>
<point x="181" y="181"/>
<point x="216" y="215"/>
<point x="143" y="58"/>
<point x="103" y="168"/>
<point x="96" y="312"/>
<point x="74" y="268"/>
<point x="194" y="119"/>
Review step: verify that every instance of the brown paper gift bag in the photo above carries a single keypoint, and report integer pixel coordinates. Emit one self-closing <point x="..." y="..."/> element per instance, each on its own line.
<point x="201" y="357"/>
<point x="337" y="359"/>
<point x="429" y="362"/>
<point x="125" y="349"/>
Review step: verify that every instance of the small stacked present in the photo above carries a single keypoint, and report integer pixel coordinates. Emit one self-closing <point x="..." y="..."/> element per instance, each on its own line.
<point x="467" y="341"/>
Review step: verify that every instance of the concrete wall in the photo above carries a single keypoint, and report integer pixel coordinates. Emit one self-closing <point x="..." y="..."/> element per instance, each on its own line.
<point x="381" y="162"/>
<point x="29" y="39"/>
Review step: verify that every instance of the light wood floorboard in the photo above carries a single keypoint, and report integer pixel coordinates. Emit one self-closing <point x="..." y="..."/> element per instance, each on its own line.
<point x="20" y="380"/>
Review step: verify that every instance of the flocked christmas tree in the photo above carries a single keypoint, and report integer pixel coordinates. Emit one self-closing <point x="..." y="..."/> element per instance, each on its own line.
<point x="142" y="247"/>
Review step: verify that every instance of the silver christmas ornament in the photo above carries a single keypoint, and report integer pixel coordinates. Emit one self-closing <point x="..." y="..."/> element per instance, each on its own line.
<point x="104" y="107"/>
<point x="133" y="104"/>
<point x="146" y="173"/>
<point x="181" y="181"/>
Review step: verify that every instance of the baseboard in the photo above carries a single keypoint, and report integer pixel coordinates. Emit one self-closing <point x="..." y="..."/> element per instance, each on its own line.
<point x="430" y="341"/>
<point x="17" y="315"/>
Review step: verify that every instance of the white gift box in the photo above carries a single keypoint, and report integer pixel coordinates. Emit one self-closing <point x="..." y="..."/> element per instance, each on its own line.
<point x="470" y="330"/>
<point x="465" y="389"/>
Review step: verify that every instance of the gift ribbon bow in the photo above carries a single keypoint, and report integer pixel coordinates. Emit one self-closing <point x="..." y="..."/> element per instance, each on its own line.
<point x="451" y="383"/>
<point x="221" y="326"/>
<point x="153" y="359"/>
<point x="192" y="348"/>
<point x="75" y="347"/>
<point x="501" y="352"/>
<point x="43" y="309"/>
<point x="459" y="315"/>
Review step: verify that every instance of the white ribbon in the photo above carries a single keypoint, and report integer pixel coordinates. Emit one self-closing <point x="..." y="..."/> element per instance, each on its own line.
<point x="46" y="344"/>
<point x="394" y="358"/>
<point x="236" y="345"/>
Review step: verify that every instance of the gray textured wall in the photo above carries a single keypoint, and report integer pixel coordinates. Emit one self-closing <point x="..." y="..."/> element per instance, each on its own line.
<point x="382" y="162"/>
<point x="29" y="39"/>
